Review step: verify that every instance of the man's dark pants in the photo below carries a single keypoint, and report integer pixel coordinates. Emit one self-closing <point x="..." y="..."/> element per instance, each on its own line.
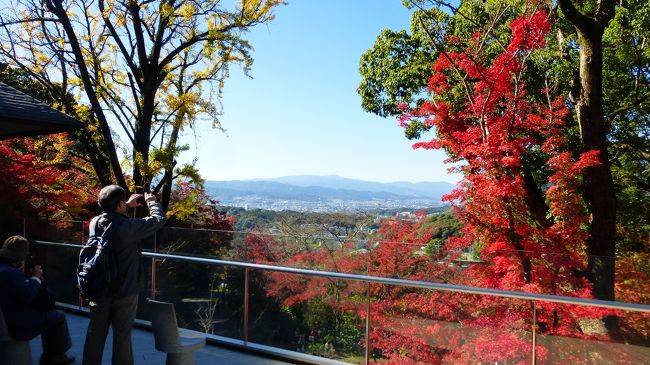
<point x="55" y="338"/>
<point x="118" y="313"/>
<point x="51" y="325"/>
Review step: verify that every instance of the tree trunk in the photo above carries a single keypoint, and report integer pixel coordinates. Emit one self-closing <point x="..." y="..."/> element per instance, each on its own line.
<point x="169" y="169"/>
<point x="142" y="137"/>
<point x="99" y="161"/>
<point x="56" y="8"/>
<point x="537" y="207"/>
<point x="599" y="184"/>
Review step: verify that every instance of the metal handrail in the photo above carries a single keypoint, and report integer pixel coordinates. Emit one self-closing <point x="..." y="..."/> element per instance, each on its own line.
<point x="392" y="281"/>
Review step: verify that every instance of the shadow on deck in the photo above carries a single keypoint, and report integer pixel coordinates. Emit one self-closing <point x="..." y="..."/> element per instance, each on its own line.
<point x="144" y="351"/>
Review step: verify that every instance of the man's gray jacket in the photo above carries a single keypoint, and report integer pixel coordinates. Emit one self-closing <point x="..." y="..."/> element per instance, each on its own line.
<point x="126" y="243"/>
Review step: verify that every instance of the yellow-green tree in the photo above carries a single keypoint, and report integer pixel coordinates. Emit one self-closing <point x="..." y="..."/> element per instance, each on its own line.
<point x="147" y="69"/>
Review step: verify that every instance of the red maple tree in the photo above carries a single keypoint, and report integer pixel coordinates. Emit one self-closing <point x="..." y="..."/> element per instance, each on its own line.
<point x="491" y="128"/>
<point x="45" y="179"/>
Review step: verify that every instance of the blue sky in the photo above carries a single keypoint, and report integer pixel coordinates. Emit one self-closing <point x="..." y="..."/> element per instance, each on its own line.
<point x="301" y="114"/>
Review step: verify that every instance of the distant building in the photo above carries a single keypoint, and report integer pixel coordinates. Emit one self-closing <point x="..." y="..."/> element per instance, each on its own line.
<point x="407" y="216"/>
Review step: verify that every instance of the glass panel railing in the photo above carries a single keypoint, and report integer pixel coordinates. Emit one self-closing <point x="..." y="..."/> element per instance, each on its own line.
<point x="318" y="316"/>
<point x="271" y="321"/>
<point x="59" y="262"/>
<point x="421" y="326"/>
<point x="59" y="270"/>
<point x="326" y="315"/>
<point x="341" y="330"/>
<point x="207" y="298"/>
<point x="633" y="278"/>
<point x="571" y="334"/>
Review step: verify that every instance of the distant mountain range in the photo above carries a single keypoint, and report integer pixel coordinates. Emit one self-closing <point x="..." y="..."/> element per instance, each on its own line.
<point x="421" y="189"/>
<point x="325" y="193"/>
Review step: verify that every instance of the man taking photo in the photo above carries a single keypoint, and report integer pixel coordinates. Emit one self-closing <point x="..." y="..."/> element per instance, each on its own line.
<point x="118" y="308"/>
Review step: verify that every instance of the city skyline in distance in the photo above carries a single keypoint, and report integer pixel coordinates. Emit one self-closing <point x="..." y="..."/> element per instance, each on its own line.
<point x="327" y="194"/>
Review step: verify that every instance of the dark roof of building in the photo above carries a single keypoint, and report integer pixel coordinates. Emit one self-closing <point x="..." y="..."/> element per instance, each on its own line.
<point x="21" y="116"/>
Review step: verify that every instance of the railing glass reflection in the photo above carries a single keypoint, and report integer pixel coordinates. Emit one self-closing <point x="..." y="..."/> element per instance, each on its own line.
<point x="325" y="314"/>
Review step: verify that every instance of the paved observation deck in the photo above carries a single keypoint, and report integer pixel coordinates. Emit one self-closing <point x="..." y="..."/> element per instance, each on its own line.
<point x="144" y="351"/>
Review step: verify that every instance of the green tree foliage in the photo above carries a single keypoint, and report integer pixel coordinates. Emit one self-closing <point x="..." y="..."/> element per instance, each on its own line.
<point x="441" y="227"/>
<point x="394" y="70"/>
<point x="626" y="75"/>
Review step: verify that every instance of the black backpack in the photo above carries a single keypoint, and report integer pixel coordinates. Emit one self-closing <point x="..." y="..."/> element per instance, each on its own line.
<point x="97" y="272"/>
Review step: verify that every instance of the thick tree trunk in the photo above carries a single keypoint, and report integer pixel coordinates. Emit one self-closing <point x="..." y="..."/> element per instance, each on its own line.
<point x="600" y="193"/>
<point x="143" y="137"/>
<point x="599" y="183"/>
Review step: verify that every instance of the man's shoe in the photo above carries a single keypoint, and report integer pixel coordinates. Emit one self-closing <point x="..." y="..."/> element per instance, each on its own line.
<point x="61" y="359"/>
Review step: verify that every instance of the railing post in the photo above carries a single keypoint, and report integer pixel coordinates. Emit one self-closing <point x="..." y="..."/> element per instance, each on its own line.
<point x="367" y="356"/>
<point x="246" y="306"/>
<point x="83" y="241"/>
<point x="153" y="270"/>
<point x="534" y="357"/>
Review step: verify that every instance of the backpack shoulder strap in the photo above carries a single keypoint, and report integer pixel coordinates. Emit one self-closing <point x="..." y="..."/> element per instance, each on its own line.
<point x="112" y="227"/>
<point x="92" y="226"/>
